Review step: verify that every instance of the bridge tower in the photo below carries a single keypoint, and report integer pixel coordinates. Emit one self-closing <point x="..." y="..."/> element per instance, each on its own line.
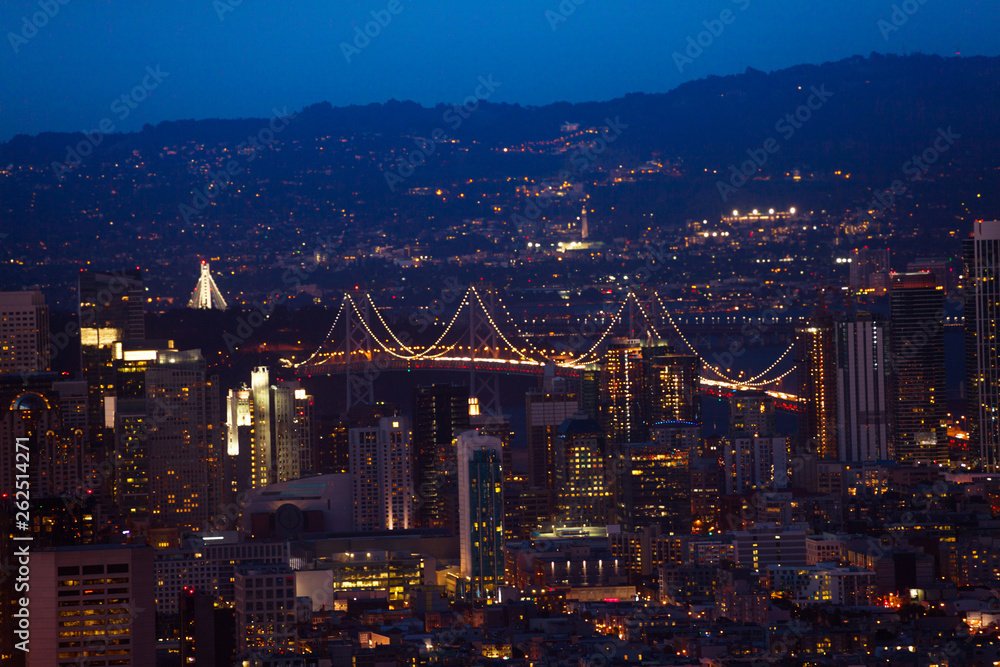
<point x="484" y="385"/>
<point x="358" y="350"/>
<point x="642" y="318"/>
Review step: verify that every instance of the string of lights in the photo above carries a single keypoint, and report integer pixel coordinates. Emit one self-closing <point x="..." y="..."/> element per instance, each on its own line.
<point x="517" y="330"/>
<point x="747" y="383"/>
<point x="386" y="325"/>
<point x="614" y="320"/>
<point x="325" y="339"/>
<point x="494" y="324"/>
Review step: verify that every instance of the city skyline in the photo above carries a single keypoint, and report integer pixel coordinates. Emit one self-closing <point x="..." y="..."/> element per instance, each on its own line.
<point x="644" y="333"/>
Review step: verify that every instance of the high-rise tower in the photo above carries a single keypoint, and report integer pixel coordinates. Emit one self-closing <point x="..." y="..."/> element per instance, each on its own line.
<point x="168" y="439"/>
<point x="917" y="358"/>
<point x="623" y="390"/>
<point x="547" y="407"/>
<point x="818" y="380"/>
<point x="380" y="474"/>
<point x="206" y="294"/>
<point x="480" y="512"/>
<point x="862" y="389"/>
<point x="981" y="277"/>
<point x="440" y="413"/>
<point x="24" y="332"/>
<point x="110" y="311"/>
<point x="672" y="386"/>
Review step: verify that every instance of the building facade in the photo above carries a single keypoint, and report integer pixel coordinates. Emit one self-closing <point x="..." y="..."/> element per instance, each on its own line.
<point x="24" y="332"/>
<point x="863" y="389"/>
<point x="481" y="512"/>
<point x="981" y="277"/>
<point x="380" y="475"/>
<point x="917" y="358"/>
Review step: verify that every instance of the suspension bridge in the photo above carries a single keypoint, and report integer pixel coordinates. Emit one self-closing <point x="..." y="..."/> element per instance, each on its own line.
<point x="483" y="339"/>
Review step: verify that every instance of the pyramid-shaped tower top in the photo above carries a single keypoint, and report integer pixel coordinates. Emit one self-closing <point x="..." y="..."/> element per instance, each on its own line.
<point x="206" y="294"/>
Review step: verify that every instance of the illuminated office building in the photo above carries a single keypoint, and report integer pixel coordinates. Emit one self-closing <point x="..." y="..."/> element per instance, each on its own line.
<point x="623" y="391"/>
<point x="93" y="605"/>
<point x="380" y="475"/>
<point x="369" y="574"/>
<point x="917" y="357"/>
<point x="57" y="461"/>
<point x="24" y="332"/>
<point x="580" y="490"/>
<point x="862" y="389"/>
<point x="754" y="463"/>
<point x="480" y="512"/>
<point x="672" y="386"/>
<point x="240" y="443"/>
<point x="110" y="311"/>
<point x="751" y="412"/>
<point x="440" y="413"/>
<point x="265" y="628"/>
<point x="547" y="407"/>
<point x="654" y="482"/>
<point x="168" y="444"/>
<point x="817" y="369"/>
<point x="981" y="277"/>
<point x="283" y="429"/>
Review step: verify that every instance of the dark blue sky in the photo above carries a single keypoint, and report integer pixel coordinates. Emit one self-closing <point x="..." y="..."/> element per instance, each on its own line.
<point x="287" y="53"/>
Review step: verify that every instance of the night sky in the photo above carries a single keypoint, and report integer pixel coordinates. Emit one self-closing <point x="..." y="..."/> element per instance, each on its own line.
<point x="233" y="58"/>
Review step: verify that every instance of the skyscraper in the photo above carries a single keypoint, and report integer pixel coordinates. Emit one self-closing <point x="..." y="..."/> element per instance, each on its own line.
<point x="751" y="412"/>
<point x="672" y="386"/>
<point x="869" y="270"/>
<point x="110" y="311"/>
<point x="817" y="369"/>
<point x="623" y="391"/>
<point x="303" y="428"/>
<point x="862" y="389"/>
<point x="282" y="429"/>
<point x="547" y="408"/>
<point x="480" y="511"/>
<point x="753" y="463"/>
<point x="580" y="490"/>
<point x="24" y="332"/>
<point x="240" y="444"/>
<point x="380" y="475"/>
<point x="168" y="443"/>
<point x="29" y="409"/>
<point x="917" y="357"/>
<point x="93" y="605"/>
<point x="981" y="278"/>
<point x="654" y="481"/>
<point x="440" y="413"/>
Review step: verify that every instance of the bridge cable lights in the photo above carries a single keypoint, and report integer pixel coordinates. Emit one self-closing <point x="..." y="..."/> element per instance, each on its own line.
<point x="329" y="334"/>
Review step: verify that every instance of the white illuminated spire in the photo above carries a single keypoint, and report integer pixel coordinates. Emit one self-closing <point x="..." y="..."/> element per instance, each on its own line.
<point x="206" y="294"/>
